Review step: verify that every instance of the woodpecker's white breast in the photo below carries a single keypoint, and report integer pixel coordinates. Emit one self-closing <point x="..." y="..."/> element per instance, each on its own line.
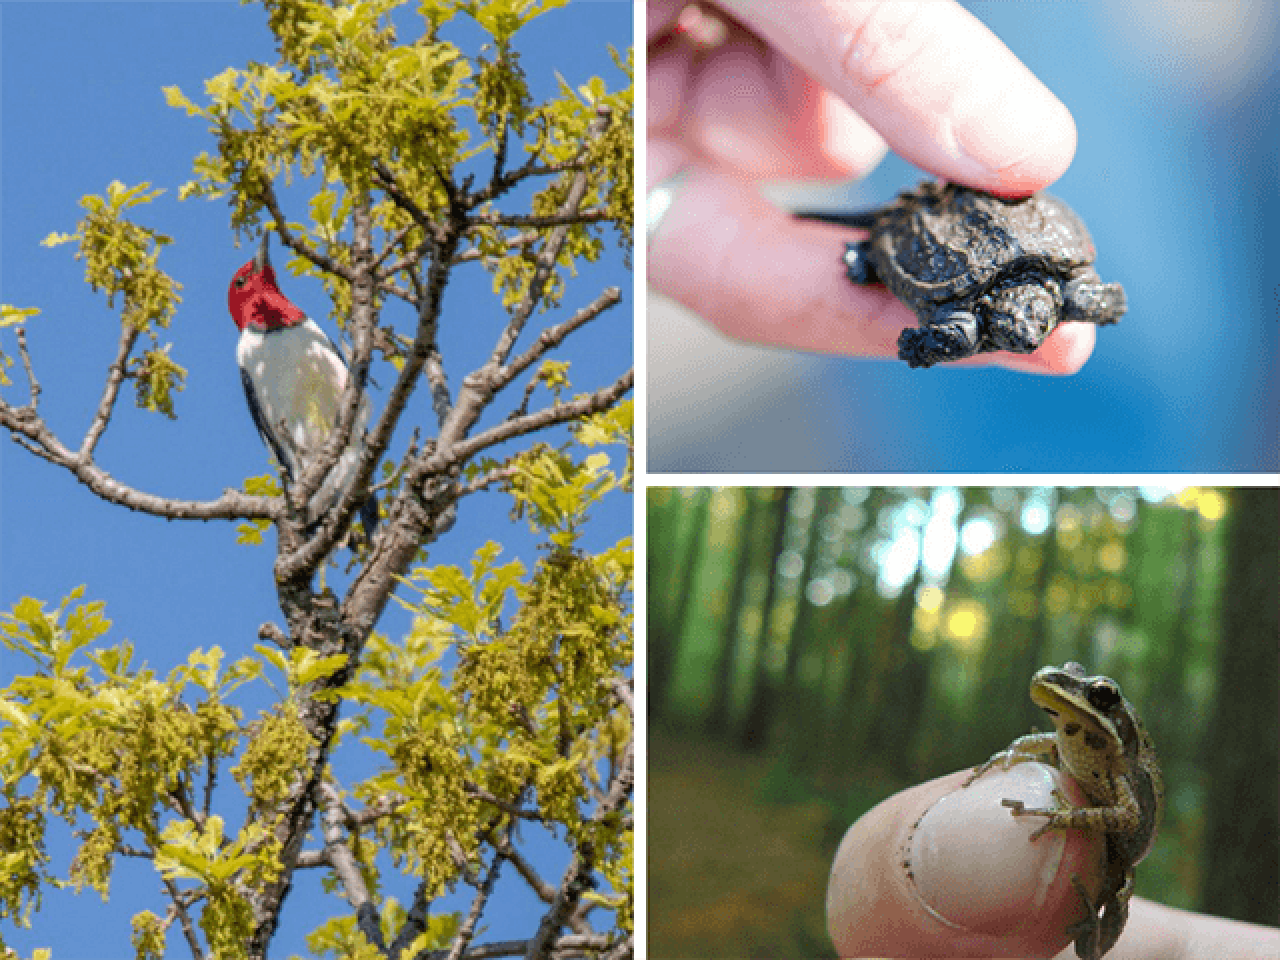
<point x="296" y="377"/>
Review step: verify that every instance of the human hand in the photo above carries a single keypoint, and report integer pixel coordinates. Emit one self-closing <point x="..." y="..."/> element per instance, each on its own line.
<point x="937" y="870"/>
<point x="741" y="90"/>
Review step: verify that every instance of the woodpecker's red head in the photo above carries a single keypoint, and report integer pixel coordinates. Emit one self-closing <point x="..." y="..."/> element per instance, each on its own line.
<point x="255" y="300"/>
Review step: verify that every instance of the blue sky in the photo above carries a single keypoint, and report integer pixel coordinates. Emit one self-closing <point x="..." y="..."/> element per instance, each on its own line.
<point x="82" y="106"/>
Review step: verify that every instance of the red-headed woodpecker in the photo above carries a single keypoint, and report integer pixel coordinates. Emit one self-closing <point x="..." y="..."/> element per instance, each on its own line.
<point x="293" y="379"/>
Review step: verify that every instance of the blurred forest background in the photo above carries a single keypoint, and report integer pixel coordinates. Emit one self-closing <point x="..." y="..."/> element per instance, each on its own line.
<point x="813" y="650"/>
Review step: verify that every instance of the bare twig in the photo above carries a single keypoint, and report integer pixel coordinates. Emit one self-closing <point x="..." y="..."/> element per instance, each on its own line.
<point x="180" y="903"/>
<point x="27" y="366"/>
<point x="574" y="409"/>
<point x="115" y="377"/>
<point x="509" y="808"/>
<point x="555" y="335"/>
<point x="468" y="928"/>
<point x="299" y="246"/>
<point x="593" y="215"/>
<point x="485" y="480"/>
<point x="387" y="181"/>
<point x="545" y="891"/>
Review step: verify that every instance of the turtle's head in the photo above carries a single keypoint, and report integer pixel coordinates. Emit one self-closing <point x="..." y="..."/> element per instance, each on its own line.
<point x="1020" y="316"/>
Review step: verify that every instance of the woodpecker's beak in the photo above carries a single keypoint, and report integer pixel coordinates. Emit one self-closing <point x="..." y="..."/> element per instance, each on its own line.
<point x="262" y="260"/>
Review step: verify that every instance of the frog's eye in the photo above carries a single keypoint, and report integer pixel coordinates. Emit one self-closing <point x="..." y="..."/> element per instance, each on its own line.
<point x="1104" y="695"/>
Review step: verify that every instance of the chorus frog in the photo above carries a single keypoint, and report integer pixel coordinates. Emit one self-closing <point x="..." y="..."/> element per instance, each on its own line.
<point x="1098" y="740"/>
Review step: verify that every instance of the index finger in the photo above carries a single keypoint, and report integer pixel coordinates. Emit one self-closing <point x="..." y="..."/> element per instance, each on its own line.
<point x="762" y="276"/>
<point x="942" y="90"/>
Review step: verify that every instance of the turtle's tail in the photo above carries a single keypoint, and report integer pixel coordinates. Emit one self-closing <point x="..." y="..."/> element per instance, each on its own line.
<point x="863" y="221"/>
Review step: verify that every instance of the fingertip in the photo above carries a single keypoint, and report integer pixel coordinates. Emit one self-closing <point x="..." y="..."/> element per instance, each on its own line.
<point x="1022" y="134"/>
<point x="1065" y="352"/>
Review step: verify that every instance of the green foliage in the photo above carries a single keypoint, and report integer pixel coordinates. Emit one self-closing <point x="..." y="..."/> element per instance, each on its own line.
<point x="121" y="258"/>
<point x="527" y="716"/>
<point x="339" y="938"/>
<point x="148" y="936"/>
<point x="471" y="718"/>
<point x="251" y="531"/>
<point x="555" y="491"/>
<point x="347" y="93"/>
<point x="113" y="752"/>
<point x="157" y="377"/>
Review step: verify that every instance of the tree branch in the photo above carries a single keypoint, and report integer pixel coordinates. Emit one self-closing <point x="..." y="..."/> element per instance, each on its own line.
<point x="115" y="377"/>
<point x="554" y="336"/>
<point x="296" y="243"/>
<point x="594" y="215"/>
<point x="511" y="809"/>
<point x="575" y="409"/>
<point x="468" y="929"/>
<point x="184" y="918"/>
<point x="363" y="319"/>
<point x="345" y="866"/>
<point x="32" y="382"/>
<point x="292" y="566"/>
<point x="26" y="426"/>
<point x="550" y="253"/>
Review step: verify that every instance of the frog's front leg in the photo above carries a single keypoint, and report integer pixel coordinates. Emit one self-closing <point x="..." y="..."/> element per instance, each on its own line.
<point x="1123" y="817"/>
<point x="1033" y="746"/>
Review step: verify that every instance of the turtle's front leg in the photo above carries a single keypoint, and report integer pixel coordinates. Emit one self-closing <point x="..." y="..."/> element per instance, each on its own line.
<point x="948" y="335"/>
<point x="857" y="263"/>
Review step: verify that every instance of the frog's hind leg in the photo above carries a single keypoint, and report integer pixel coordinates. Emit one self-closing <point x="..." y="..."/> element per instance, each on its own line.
<point x="1087" y="934"/>
<point x="857" y="263"/>
<point x="1114" y="915"/>
<point x="948" y="336"/>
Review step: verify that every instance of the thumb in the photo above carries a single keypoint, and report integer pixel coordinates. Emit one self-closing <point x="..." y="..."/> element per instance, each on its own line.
<point x="947" y="870"/>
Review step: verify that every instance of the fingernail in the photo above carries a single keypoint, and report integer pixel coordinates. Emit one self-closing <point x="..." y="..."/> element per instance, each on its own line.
<point x="970" y="860"/>
<point x="1030" y="142"/>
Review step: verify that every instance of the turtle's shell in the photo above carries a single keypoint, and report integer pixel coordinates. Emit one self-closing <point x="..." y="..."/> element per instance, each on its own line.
<point x="945" y="243"/>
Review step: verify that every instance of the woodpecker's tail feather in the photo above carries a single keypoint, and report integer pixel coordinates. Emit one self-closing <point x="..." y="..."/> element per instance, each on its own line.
<point x="369" y="516"/>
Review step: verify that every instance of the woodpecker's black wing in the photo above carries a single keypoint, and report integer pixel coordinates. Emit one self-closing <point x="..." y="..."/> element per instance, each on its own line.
<point x="255" y="411"/>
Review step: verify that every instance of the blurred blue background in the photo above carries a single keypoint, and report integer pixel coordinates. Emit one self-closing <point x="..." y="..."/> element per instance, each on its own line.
<point x="1177" y="173"/>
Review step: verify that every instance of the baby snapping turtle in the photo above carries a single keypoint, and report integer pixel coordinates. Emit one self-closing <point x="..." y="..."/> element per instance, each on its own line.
<point x="981" y="272"/>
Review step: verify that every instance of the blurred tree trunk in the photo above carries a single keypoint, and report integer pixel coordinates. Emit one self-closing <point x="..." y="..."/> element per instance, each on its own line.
<point x="680" y="582"/>
<point x="721" y="681"/>
<point x="755" y="729"/>
<point x="857" y="614"/>
<point x="801" y="704"/>
<point x="1241" y="849"/>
